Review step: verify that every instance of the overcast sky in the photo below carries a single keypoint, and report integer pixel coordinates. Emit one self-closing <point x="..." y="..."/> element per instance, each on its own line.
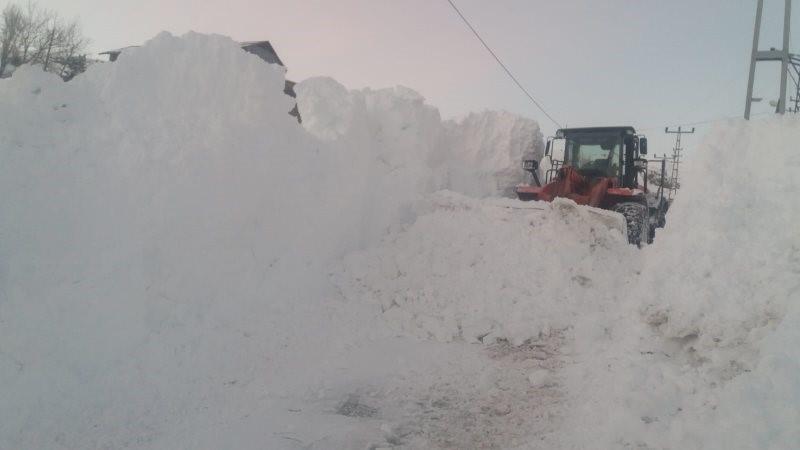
<point x="647" y="63"/>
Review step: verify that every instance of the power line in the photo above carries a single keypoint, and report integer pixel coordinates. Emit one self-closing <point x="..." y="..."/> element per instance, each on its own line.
<point x="511" y="75"/>
<point x="703" y="122"/>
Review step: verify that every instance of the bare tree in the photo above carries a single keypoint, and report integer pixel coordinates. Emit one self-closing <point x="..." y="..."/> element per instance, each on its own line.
<point x="35" y="21"/>
<point x="12" y="24"/>
<point x="71" y="44"/>
<point x="48" y="41"/>
<point x="34" y="35"/>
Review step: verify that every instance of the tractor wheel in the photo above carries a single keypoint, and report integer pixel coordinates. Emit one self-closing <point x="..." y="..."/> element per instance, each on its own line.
<point x="636" y="218"/>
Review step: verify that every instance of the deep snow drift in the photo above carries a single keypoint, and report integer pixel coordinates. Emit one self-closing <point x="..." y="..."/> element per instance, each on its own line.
<point x="166" y="242"/>
<point x="183" y="265"/>
<point x="706" y="352"/>
<point x="477" y="155"/>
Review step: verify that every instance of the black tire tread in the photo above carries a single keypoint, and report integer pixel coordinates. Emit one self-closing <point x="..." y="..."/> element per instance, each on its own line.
<point x="636" y="218"/>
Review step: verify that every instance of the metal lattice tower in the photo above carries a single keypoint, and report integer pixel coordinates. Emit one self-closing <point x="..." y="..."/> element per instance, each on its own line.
<point x="794" y="61"/>
<point x="676" y="160"/>
<point x="782" y="55"/>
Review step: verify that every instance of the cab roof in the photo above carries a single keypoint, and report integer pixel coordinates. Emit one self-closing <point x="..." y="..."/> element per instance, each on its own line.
<point x="621" y="130"/>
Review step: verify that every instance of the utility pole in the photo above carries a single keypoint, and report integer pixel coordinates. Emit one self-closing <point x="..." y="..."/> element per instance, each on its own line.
<point x="662" y="179"/>
<point x="676" y="159"/>
<point x="782" y="55"/>
<point x="795" y="76"/>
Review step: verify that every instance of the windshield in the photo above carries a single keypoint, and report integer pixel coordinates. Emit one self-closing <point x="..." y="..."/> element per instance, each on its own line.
<point x="594" y="154"/>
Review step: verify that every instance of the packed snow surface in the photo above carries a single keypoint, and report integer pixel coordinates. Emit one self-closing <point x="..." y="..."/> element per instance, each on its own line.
<point x="183" y="265"/>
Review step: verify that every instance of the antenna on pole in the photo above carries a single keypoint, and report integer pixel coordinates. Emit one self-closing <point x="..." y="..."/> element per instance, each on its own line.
<point x="782" y="55"/>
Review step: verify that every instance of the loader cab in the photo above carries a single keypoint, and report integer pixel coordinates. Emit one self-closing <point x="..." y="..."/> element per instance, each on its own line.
<point x="609" y="152"/>
<point x="599" y="167"/>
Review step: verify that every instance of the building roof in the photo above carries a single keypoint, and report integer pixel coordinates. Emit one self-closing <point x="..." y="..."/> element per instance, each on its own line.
<point x="116" y="51"/>
<point x="264" y="50"/>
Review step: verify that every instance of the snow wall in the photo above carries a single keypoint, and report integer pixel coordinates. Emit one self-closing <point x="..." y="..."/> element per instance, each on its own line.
<point x="704" y="352"/>
<point x="478" y="155"/>
<point x="165" y="225"/>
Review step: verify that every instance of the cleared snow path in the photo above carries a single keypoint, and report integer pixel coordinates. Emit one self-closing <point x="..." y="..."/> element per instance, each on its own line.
<point x="437" y="396"/>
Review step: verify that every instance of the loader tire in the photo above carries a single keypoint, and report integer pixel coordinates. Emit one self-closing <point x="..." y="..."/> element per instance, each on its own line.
<point x="636" y="219"/>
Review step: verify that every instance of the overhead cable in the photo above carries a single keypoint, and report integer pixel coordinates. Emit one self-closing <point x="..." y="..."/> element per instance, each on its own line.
<point x="496" y="58"/>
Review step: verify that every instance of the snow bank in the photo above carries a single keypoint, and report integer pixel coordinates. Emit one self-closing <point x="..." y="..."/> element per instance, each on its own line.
<point x="484" y="152"/>
<point x="713" y="361"/>
<point x="479" y="155"/>
<point x="388" y="137"/>
<point x="149" y="247"/>
<point x="403" y="150"/>
<point x="165" y="235"/>
<point x="486" y="271"/>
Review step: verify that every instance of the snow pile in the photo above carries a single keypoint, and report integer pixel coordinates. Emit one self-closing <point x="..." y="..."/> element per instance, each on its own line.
<point x="486" y="271"/>
<point x="388" y="137"/>
<point x="185" y="80"/>
<point x="479" y="155"/>
<point x="713" y="362"/>
<point x="485" y="150"/>
<point x="149" y="248"/>
<point x="167" y="230"/>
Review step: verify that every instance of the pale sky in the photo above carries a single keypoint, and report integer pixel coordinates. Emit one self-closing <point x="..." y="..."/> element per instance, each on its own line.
<point x="646" y="63"/>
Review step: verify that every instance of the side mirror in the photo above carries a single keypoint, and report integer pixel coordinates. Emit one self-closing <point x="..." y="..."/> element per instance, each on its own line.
<point x="530" y="165"/>
<point x="643" y="145"/>
<point x="547" y="148"/>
